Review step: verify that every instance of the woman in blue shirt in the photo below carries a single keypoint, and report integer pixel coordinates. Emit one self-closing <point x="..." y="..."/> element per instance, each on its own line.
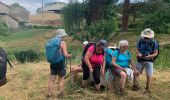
<point x="121" y="61"/>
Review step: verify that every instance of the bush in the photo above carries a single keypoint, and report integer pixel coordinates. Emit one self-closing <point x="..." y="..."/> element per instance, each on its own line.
<point x="44" y="27"/>
<point x="3" y="28"/>
<point x="26" y="56"/>
<point x="160" y="21"/>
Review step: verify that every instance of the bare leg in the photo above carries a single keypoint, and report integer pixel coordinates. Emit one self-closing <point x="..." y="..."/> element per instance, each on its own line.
<point x="51" y="84"/>
<point x="97" y="87"/>
<point x="148" y="82"/>
<point x="61" y="84"/>
<point x="122" y="79"/>
<point x="84" y="83"/>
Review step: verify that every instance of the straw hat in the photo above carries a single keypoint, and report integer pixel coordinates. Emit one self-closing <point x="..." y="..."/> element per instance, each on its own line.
<point x="60" y="33"/>
<point x="147" y="33"/>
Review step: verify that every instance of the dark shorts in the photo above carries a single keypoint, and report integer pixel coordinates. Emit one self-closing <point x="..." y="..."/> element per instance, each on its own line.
<point x="96" y="73"/>
<point x="117" y="71"/>
<point x="58" y="69"/>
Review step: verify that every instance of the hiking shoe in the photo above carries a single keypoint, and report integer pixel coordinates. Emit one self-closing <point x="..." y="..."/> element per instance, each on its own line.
<point x="135" y="88"/>
<point x="49" y="96"/>
<point x="60" y="95"/>
<point x="121" y="92"/>
<point x="102" y="88"/>
<point x="147" y="90"/>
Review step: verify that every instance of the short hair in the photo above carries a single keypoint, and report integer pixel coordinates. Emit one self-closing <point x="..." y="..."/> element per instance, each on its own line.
<point x="123" y="43"/>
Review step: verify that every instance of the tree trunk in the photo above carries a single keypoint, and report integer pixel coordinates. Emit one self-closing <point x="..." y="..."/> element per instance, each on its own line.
<point x="125" y="16"/>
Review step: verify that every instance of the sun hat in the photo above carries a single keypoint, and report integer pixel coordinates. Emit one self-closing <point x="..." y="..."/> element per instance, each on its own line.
<point x="147" y="33"/>
<point x="85" y="42"/>
<point x="103" y="43"/>
<point x="112" y="46"/>
<point x="60" y="33"/>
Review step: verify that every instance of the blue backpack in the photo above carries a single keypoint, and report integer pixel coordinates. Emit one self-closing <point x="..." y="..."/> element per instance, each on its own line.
<point x="53" y="50"/>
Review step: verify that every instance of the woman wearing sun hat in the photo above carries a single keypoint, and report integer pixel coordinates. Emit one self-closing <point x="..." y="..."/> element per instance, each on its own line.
<point x="147" y="49"/>
<point x="57" y="67"/>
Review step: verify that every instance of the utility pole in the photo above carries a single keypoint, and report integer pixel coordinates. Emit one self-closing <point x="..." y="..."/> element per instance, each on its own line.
<point x="42" y="8"/>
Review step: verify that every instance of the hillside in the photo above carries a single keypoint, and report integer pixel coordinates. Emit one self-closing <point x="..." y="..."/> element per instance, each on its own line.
<point x="47" y="19"/>
<point x="29" y="81"/>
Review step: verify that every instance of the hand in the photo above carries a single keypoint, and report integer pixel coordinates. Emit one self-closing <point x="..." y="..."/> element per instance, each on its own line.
<point x="102" y="72"/>
<point x="123" y="69"/>
<point x="137" y="72"/>
<point x="69" y="55"/>
<point x="148" y="56"/>
<point x="139" y="55"/>
<point x="90" y="70"/>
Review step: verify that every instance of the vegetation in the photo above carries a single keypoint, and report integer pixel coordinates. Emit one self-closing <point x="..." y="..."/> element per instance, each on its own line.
<point x="91" y="16"/>
<point x="3" y="28"/>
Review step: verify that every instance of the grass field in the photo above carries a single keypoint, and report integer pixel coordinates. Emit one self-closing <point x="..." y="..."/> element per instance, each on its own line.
<point x="28" y="81"/>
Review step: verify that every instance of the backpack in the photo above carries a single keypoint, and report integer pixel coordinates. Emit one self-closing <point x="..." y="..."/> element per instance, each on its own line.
<point x="3" y="66"/>
<point x="53" y="50"/>
<point x="86" y="48"/>
<point x="153" y="46"/>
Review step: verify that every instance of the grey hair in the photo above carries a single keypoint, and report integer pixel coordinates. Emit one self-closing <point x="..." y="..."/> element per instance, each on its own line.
<point x="123" y="43"/>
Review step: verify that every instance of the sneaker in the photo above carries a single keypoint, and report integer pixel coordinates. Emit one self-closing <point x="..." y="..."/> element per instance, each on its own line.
<point x="121" y="92"/>
<point x="147" y="90"/>
<point x="135" y="88"/>
<point x="48" y="96"/>
<point x="102" y="88"/>
<point x="60" y="95"/>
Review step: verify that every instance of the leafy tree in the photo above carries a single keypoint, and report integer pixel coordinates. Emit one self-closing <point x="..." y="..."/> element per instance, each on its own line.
<point x="3" y="28"/>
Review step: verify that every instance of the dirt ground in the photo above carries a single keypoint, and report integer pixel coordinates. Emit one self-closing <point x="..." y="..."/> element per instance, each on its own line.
<point x="29" y="82"/>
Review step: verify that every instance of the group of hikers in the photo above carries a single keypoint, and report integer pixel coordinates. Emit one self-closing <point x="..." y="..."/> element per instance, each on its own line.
<point x="99" y="57"/>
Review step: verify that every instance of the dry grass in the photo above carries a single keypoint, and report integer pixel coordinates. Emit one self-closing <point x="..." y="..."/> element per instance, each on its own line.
<point x="47" y="19"/>
<point x="29" y="82"/>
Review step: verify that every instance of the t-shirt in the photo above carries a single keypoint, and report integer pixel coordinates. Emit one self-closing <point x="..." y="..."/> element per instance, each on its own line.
<point x="147" y="47"/>
<point x="122" y="59"/>
<point x="95" y="59"/>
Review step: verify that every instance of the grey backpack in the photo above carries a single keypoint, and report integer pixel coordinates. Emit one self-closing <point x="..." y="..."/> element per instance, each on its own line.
<point x="3" y="66"/>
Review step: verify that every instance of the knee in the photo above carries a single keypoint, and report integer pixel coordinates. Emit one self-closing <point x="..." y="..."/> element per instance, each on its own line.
<point x="123" y="75"/>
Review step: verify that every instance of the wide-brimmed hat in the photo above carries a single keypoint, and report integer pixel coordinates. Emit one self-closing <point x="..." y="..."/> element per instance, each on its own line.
<point x="60" y="33"/>
<point x="112" y="46"/>
<point x="103" y="43"/>
<point x="147" y="33"/>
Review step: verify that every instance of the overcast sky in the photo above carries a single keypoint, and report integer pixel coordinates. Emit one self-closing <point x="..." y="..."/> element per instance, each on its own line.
<point x="32" y="5"/>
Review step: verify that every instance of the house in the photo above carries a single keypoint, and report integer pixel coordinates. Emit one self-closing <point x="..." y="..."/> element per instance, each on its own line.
<point x="4" y="8"/>
<point x="19" y="13"/>
<point x="6" y="17"/>
<point x="10" y="21"/>
<point x="55" y="8"/>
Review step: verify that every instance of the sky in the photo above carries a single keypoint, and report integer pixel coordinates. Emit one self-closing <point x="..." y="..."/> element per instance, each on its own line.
<point x="32" y="5"/>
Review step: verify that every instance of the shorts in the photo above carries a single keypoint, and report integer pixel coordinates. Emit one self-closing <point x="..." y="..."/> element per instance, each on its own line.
<point x="96" y="73"/>
<point x="117" y="71"/>
<point x="58" y="69"/>
<point x="148" y="67"/>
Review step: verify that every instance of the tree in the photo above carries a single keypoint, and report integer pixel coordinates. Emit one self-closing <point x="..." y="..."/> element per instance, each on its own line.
<point x="125" y="16"/>
<point x="16" y="5"/>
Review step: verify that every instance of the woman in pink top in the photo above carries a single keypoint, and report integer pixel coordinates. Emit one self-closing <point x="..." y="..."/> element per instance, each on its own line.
<point x="93" y="61"/>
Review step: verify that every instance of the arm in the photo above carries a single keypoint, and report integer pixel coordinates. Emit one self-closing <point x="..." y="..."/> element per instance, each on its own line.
<point x="103" y="65"/>
<point x="86" y="59"/>
<point x="115" y="65"/>
<point x="153" y="55"/>
<point x="64" y="49"/>
<point x="133" y="65"/>
<point x="138" y="53"/>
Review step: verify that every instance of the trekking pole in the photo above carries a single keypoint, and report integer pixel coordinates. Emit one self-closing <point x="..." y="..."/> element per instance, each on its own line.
<point x="9" y="63"/>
